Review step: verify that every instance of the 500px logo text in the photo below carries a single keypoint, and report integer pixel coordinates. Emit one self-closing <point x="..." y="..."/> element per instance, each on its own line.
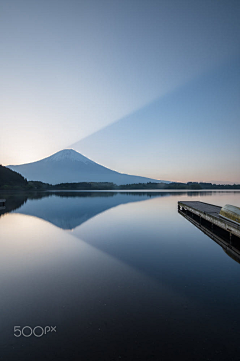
<point x="37" y="331"/>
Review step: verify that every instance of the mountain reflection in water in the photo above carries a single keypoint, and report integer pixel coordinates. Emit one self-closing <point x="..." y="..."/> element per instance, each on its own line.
<point x="68" y="210"/>
<point x="121" y="275"/>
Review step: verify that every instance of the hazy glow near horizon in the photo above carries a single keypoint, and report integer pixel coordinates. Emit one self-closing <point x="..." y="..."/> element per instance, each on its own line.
<point x="72" y="69"/>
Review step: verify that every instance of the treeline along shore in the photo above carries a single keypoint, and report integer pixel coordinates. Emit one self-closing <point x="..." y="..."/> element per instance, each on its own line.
<point x="10" y="180"/>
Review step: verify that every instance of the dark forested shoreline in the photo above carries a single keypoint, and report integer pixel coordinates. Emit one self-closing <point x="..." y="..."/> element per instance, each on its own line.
<point x="10" y="180"/>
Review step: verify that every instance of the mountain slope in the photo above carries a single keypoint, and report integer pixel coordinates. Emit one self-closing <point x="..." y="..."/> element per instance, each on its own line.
<point x="69" y="166"/>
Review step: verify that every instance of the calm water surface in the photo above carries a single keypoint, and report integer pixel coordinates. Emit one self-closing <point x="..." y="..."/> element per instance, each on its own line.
<point x="120" y="275"/>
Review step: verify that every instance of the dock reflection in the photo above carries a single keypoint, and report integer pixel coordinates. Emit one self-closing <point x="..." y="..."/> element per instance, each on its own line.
<point x="230" y="245"/>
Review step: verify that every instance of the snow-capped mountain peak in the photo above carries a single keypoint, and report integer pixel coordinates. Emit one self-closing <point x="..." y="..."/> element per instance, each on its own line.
<point x="68" y="154"/>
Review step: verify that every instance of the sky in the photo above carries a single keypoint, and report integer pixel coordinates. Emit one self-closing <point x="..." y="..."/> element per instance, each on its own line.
<point x="145" y="87"/>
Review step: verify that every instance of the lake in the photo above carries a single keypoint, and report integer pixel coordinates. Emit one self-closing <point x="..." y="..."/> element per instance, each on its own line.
<point x="115" y="276"/>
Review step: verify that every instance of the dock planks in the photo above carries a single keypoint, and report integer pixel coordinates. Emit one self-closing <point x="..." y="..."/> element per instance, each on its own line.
<point x="210" y="213"/>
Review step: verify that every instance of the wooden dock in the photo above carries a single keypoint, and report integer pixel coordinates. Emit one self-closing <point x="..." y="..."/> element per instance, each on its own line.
<point x="209" y="213"/>
<point x="229" y="243"/>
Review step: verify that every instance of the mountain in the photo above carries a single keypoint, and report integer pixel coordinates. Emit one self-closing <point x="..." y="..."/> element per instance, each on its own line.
<point x="69" y="166"/>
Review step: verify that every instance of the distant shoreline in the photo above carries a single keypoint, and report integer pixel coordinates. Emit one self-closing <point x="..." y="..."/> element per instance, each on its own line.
<point x="115" y="190"/>
<point x="13" y="181"/>
<point x="104" y="186"/>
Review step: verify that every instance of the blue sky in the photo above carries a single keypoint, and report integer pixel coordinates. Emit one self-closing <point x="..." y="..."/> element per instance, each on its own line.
<point x="191" y="133"/>
<point x="163" y="75"/>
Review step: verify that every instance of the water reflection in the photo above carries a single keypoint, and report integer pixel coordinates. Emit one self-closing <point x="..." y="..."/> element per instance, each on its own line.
<point x="13" y="201"/>
<point x="133" y="280"/>
<point x="68" y="210"/>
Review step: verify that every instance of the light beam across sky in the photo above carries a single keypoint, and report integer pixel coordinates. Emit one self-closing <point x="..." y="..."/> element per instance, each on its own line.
<point x="71" y="68"/>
